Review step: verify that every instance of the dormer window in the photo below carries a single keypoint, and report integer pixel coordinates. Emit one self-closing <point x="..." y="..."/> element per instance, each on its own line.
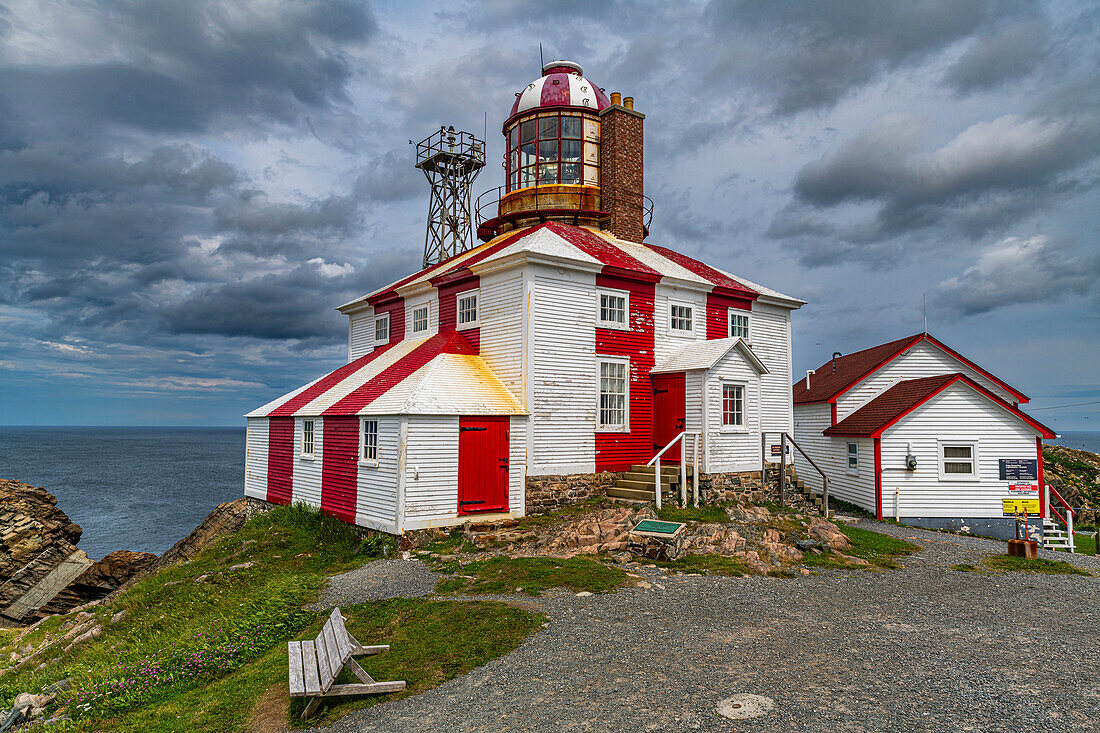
<point x="680" y="319"/>
<point x="382" y="328"/>
<point x="739" y="324"/>
<point x="613" y="308"/>
<point x="420" y="318"/>
<point x="467" y="309"/>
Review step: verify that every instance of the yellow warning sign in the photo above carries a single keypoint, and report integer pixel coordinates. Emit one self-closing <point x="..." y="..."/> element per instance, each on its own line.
<point x="1019" y="506"/>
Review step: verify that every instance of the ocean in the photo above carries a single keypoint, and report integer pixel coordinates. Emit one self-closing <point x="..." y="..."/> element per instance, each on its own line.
<point x="1080" y="439"/>
<point x="139" y="489"/>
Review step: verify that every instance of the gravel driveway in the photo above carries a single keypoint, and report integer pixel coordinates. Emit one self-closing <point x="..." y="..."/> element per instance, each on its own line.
<point x="923" y="648"/>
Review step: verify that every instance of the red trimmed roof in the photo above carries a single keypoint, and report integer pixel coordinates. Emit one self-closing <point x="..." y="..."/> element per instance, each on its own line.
<point x="723" y="284"/>
<point x="827" y="385"/>
<point x="895" y="403"/>
<point x="610" y="256"/>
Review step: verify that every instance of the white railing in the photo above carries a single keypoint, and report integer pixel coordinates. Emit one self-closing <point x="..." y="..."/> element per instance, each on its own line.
<point x="656" y="463"/>
<point x="1052" y="512"/>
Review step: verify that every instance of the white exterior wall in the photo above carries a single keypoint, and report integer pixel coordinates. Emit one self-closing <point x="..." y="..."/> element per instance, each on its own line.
<point x="831" y="454"/>
<point x="255" y="459"/>
<point x="431" y="470"/>
<point x="376" y="486"/>
<point x="431" y="298"/>
<point x="923" y="360"/>
<point x="770" y="337"/>
<point x="956" y="414"/>
<point x="306" y="481"/>
<point x="501" y="315"/>
<point x="517" y="465"/>
<point x="664" y="340"/>
<point x="360" y="333"/>
<point x="563" y="358"/>
<point x="729" y="448"/>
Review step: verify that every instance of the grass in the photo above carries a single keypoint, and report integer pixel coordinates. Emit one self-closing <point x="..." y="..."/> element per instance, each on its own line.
<point x="1006" y="563"/>
<point x="535" y="521"/>
<point x="707" y="565"/>
<point x="454" y="542"/>
<point x="190" y="654"/>
<point x="706" y="514"/>
<point x="1084" y="544"/>
<point x="874" y="547"/>
<point x="531" y="575"/>
<point x="965" y="568"/>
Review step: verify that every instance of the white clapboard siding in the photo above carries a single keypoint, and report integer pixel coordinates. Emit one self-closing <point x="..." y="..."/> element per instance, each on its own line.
<point x="360" y="333"/>
<point x="770" y="336"/>
<point x="565" y="379"/>
<point x="729" y="448"/>
<point x="809" y="422"/>
<point x="255" y="465"/>
<point x="957" y="413"/>
<point x="517" y="464"/>
<point x="307" y="472"/>
<point x="376" y="486"/>
<point x="831" y="455"/>
<point x="665" y="342"/>
<point x="923" y="360"/>
<point x="431" y="470"/>
<point x="429" y="298"/>
<point x="501" y="315"/>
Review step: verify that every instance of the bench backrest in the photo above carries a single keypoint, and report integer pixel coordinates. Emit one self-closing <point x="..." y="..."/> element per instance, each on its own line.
<point x="333" y="648"/>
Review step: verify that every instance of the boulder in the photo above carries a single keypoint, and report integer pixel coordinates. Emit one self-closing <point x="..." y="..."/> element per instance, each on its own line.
<point x="828" y="534"/>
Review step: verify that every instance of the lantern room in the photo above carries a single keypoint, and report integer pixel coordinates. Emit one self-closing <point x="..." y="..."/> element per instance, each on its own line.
<point x="570" y="155"/>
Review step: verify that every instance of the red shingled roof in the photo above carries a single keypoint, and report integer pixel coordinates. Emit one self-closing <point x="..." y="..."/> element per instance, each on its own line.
<point x="827" y="385"/>
<point x="895" y="403"/>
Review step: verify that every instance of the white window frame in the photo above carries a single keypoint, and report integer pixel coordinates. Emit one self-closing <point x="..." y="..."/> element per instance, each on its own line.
<point x="625" y="427"/>
<point x="364" y="459"/>
<point x="378" y="320"/>
<point x="427" y="308"/>
<point x="849" y="454"/>
<point x="691" y="315"/>
<point x="601" y="293"/>
<point x="733" y="427"/>
<point x="972" y="445"/>
<point x="735" y="313"/>
<point x="312" y="444"/>
<point x="476" y="322"/>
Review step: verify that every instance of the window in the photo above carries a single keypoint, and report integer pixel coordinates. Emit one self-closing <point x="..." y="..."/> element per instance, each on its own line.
<point x="957" y="461"/>
<point x="613" y="386"/>
<point x="733" y="405"/>
<point x="553" y="148"/>
<point x="307" y="438"/>
<point x="853" y="458"/>
<point x="420" y="319"/>
<point x="382" y="328"/>
<point x="680" y="318"/>
<point x="467" y="309"/>
<point x="613" y="309"/>
<point x="368" y="439"/>
<point x="739" y="324"/>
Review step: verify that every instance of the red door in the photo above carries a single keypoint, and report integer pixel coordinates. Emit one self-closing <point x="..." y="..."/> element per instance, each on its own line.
<point x="482" y="464"/>
<point x="668" y="413"/>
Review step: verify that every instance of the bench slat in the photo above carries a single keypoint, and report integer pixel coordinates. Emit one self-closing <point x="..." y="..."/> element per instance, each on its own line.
<point x="343" y="638"/>
<point x="361" y="689"/>
<point x="327" y="673"/>
<point x="297" y="681"/>
<point x="335" y="659"/>
<point x="309" y="668"/>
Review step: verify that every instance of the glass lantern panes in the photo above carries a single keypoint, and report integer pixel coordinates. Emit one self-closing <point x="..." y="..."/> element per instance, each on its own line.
<point x="553" y="148"/>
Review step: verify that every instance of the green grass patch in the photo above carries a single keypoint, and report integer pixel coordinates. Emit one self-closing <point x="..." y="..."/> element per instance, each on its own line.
<point x="534" y="521"/>
<point x="531" y="575"/>
<point x="454" y="542"/>
<point x="199" y="641"/>
<point x="874" y="547"/>
<point x="706" y="514"/>
<point x="1006" y="563"/>
<point x="707" y="565"/>
<point x="965" y="568"/>
<point x="1083" y="544"/>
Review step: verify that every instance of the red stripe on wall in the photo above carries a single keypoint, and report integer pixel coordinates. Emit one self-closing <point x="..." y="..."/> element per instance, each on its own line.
<point x="617" y="451"/>
<point x="280" y="460"/>
<point x="448" y="308"/>
<point x="340" y="466"/>
<point x="718" y="319"/>
<point x="452" y="343"/>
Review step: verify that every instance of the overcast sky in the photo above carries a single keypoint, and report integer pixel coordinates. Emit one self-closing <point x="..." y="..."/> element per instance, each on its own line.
<point x="188" y="188"/>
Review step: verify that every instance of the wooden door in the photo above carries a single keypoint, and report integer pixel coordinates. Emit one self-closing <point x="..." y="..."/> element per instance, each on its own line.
<point x="668" y="413"/>
<point x="482" y="464"/>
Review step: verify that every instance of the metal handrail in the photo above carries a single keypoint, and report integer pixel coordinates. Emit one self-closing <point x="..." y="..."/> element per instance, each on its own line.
<point x="655" y="461"/>
<point x="783" y="438"/>
<point x="671" y="443"/>
<point x="497" y="193"/>
<point x="1066" y="520"/>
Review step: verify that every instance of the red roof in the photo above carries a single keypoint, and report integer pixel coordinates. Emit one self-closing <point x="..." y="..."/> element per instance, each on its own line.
<point x="895" y="403"/>
<point x="827" y="385"/>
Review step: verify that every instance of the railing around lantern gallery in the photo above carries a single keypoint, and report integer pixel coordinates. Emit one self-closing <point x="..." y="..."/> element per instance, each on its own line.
<point x="546" y="200"/>
<point x="656" y="463"/>
<point x="1052" y="512"/>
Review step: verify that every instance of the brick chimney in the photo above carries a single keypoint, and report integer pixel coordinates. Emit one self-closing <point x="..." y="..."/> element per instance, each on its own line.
<point x="621" y="168"/>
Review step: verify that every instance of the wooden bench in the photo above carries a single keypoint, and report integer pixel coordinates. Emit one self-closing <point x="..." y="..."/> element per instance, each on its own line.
<point x="315" y="665"/>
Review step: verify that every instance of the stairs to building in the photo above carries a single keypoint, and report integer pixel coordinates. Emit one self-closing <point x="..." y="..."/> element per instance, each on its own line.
<point x="638" y="484"/>
<point x="799" y="488"/>
<point x="1054" y="536"/>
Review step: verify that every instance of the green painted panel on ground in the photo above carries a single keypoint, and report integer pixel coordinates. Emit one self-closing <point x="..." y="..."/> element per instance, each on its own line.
<point x="657" y="527"/>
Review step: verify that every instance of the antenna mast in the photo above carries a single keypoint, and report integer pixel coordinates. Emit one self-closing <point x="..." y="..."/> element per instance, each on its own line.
<point x="451" y="161"/>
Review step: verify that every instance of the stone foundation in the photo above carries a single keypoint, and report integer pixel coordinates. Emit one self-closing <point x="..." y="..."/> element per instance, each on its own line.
<point x="549" y="493"/>
<point x="744" y="486"/>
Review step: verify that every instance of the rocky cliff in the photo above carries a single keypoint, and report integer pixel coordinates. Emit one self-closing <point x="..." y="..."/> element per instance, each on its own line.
<point x="1075" y="474"/>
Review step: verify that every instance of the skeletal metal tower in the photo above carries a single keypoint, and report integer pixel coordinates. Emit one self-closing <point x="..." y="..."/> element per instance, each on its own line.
<point x="450" y="161"/>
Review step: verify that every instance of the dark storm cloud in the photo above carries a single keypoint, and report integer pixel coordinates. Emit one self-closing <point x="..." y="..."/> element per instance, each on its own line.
<point x="1012" y="52"/>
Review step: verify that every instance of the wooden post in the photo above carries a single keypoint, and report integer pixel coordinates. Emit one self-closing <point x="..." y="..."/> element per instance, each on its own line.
<point x="683" y="470"/>
<point x="695" y="470"/>
<point x="825" y="494"/>
<point x="783" y="469"/>
<point x="657" y="479"/>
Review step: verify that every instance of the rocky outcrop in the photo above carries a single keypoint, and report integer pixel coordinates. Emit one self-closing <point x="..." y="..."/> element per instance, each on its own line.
<point x="100" y="580"/>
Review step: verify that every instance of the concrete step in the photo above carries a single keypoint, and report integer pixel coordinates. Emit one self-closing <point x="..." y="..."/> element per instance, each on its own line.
<point x="648" y="476"/>
<point x="666" y="469"/>
<point x="646" y="486"/>
<point x="618" y="492"/>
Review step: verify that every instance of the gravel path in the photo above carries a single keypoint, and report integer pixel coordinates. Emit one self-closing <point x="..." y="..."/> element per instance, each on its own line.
<point x="376" y="580"/>
<point x="923" y="648"/>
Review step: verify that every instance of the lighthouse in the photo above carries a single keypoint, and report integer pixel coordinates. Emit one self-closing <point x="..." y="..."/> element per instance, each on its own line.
<point x="572" y="154"/>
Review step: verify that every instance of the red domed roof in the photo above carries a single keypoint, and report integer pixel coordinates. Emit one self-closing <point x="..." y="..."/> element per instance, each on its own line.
<point x="562" y="84"/>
